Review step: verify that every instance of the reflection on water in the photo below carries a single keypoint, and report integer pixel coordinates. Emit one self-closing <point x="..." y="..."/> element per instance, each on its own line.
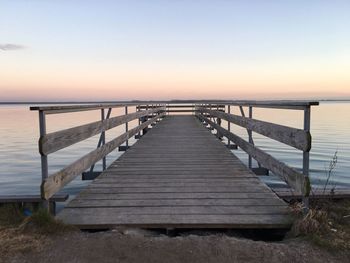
<point x="20" y="160"/>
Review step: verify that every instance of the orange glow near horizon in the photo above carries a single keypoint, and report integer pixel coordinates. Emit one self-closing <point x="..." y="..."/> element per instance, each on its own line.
<point x="171" y="83"/>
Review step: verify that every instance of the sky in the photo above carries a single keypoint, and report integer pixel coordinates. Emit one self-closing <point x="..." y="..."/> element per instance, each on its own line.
<point x="122" y="50"/>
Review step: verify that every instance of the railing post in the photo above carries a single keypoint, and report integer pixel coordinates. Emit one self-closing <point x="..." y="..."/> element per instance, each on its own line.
<point x="218" y="121"/>
<point x="139" y="120"/>
<point x="144" y="119"/>
<point x="250" y="135"/>
<point x="126" y="128"/>
<point x="306" y="161"/>
<point x="44" y="161"/>
<point x="103" y="140"/>
<point x="228" y="124"/>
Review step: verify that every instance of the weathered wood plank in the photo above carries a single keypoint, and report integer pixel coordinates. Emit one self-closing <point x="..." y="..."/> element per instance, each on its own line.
<point x="31" y="198"/>
<point x="297" y="138"/>
<point x="281" y="104"/>
<point x="175" y="202"/>
<point x="94" y="195"/>
<point x="55" y="141"/>
<point x="56" y="181"/>
<point x="170" y="180"/>
<point x="187" y="210"/>
<point x="91" y="218"/>
<point x="227" y="183"/>
<point x="96" y="189"/>
<point x="290" y="194"/>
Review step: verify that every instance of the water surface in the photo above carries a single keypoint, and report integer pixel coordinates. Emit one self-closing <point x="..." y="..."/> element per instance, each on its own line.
<point x="20" y="159"/>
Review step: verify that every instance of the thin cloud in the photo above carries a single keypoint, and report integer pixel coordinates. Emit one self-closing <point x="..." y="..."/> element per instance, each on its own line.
<point x="9" y="47"/>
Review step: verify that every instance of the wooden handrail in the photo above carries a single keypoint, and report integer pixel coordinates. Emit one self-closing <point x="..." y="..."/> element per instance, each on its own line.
<point x="292" y="177"/>
<point x="55" y="141"/>
<point x="77" y="108"/>
<point x="178" y="106"/>
<point x="152" y="110"/>
<point x="297" y="138"/>
<point x="56" y="181"/>
<point x="280" y="104"/>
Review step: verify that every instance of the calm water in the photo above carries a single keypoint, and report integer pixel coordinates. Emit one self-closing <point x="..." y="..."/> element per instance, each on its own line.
<point x="20" y="160"/>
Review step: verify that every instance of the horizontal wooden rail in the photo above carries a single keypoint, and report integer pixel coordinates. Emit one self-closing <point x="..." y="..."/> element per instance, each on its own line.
<point x="55" y="141"/>
<point x="179" y="106"/>
<point x="297" y="138"/>
<point x="292" y="177"/>
<point x="279" y="104"/>
<point x="56" y="181"/>
<point x="77" y="108"/>
<point x="274" y="104"/>
<point x="180" y="110"/>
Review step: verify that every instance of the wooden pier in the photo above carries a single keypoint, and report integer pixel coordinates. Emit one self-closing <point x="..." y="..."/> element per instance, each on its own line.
<point x="178" y="174"/>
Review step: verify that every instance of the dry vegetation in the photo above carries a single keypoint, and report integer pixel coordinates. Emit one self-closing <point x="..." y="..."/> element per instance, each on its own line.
<point x="327" y="224"/>
<point x="323" y="235"/>
<point x="19" y="234"/>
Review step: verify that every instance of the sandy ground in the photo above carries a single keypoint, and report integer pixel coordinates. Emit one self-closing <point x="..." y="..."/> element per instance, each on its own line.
<point x="145" y="246"/>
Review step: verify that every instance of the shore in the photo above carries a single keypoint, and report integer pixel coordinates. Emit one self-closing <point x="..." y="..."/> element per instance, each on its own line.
<point x="323" y="235"/>
<point x="145" y="246"/>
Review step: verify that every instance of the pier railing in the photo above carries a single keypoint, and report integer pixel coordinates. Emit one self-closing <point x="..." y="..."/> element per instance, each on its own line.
<point x="297" y="138"/>
<point x="52" y="142"/>
<point x="148" y="112"/>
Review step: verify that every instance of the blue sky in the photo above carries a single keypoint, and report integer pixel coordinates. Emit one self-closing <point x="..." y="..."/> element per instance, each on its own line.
<point x="180" y="43"/>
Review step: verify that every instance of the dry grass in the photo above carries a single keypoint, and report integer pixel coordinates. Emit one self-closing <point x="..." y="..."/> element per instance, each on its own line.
<point x="14" y="241"/>
<point x="44" y="223"/>
<point x="19" y="234"/>
<point x="327" y="224"/>
<point x="10" y="215"/>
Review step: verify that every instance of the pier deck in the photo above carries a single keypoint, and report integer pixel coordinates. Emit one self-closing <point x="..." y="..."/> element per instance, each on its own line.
<point x="178" y="175"/>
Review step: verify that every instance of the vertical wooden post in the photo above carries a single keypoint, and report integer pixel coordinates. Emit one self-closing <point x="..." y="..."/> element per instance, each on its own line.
<point x="218" y="121"/>
<point x="228" y="124"/>
<point x="145" y="118"/>
<point x="250" y="135"/>
<point x="306" y="161"/>
<point x="126" y="128"/>
<point x="44" y="160"/>
<point x="139" y="120"/>
<point x="103" y="140"/>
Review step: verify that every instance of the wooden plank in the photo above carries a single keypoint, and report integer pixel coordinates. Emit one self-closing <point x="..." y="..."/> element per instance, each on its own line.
<point x="187" y="210"/>
<point x="127" y="180"/>
<point x="279" y="104"/>
<point x="291" y="176"/>
<point x="55" y="109"/>
<point x="31" y="198"/>
<point x="178" y="190"/>
<point x="101" y="195"/>
<point x="55" y="182"/>
<point x="179" y="106"/>
<point x="227" y="183"/>
<point x="290" y="194"/>
<point x="55" y="141"/>
<point x="90" y="218"/>
<point x="296" y="138"/>
<point x="175" y="202"/>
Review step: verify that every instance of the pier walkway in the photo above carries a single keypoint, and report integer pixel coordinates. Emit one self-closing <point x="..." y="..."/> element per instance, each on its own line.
<point x="178" y="175"/>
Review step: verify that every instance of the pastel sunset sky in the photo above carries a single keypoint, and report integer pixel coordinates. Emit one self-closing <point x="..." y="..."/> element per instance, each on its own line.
<point x="122" y="50"/>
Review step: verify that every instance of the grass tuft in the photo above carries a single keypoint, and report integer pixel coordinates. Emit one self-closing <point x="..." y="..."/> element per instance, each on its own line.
<point x="327" y="224"/>
<point x="44" y="223"/>
<point x="11" y="215"/>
